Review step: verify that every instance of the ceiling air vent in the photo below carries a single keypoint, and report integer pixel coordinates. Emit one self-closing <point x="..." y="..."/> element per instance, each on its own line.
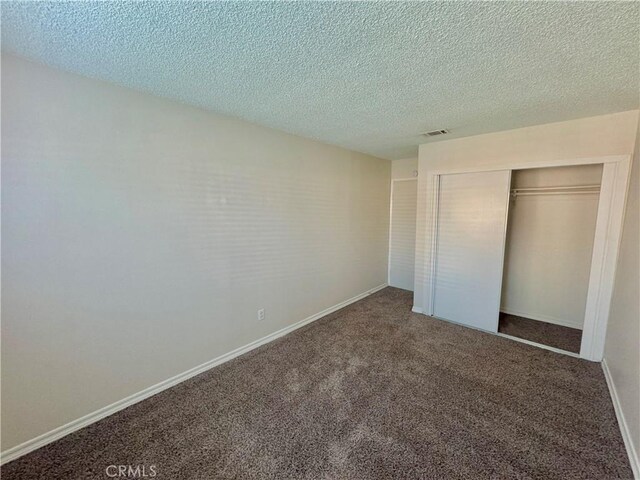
<point x="435" y="133"/>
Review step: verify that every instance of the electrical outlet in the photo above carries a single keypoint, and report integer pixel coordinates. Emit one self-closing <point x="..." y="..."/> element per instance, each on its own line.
<point x="261" y="314"/>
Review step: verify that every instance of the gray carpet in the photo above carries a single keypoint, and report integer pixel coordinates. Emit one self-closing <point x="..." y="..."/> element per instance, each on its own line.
<point x="371" y="391"/>
<point x="557" y="336"/>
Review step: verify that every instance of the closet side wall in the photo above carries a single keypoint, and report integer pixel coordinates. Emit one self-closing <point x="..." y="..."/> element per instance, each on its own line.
<point x="549" y="246"/>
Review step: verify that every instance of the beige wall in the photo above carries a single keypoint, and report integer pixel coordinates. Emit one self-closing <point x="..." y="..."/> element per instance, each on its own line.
<point x="526" y="148"/>
<point x="141" y="236"/>
<point x="404" y="167"/>
<point x="622" y="348"/>
<point x="549" y="246"/>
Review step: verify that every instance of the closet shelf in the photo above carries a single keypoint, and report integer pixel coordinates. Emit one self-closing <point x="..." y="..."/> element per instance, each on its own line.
<point x="559" y="190"/>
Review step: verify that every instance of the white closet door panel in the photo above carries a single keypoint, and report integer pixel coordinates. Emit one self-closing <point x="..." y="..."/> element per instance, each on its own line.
<point x="471" y="229"/>
<point x="403" y="234"/>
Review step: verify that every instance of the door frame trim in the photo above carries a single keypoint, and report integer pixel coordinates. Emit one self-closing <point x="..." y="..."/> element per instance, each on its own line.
<point x="611" y="206"/>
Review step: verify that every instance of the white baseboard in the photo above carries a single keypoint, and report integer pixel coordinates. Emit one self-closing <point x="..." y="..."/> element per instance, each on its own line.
<point x="416" y="310"/>
<point x="543" y="318"/>
<point x="624" y="427"/>
<point x="57" y="433"/>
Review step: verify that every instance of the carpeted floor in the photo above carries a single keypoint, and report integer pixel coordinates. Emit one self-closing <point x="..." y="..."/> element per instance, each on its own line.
<point x="371" y="391"/>
<point x="557" y="336"/>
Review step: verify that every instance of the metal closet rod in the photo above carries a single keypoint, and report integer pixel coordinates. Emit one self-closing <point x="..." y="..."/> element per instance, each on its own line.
<point x="559" y="190"/>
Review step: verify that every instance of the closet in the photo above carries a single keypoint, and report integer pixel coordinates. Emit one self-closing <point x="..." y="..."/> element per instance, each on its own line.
<point x="550" y="232"/>
<point x="513" y="250"/>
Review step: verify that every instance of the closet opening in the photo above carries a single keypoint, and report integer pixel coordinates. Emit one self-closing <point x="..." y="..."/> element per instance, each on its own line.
<point x="551" y="227"/>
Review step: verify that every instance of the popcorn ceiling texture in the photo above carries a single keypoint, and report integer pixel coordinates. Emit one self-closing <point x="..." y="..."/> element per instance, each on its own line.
<point x="367" y="76"/>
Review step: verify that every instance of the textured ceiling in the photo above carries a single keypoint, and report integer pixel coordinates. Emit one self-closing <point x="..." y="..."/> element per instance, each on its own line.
<point x="368" y="76"/>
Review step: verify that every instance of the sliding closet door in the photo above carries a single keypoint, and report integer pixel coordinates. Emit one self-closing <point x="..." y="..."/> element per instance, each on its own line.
<point x="471" y="230"/>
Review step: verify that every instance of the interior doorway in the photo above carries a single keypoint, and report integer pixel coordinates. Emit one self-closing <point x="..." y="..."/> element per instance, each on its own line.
<point x="402" y="232"/>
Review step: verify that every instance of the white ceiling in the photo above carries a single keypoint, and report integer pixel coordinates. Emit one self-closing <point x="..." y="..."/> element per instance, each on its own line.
<point x="370" y="76"/>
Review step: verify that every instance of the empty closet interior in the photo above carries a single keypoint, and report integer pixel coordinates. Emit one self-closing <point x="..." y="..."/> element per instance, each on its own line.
<point x="549" y="242"/>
